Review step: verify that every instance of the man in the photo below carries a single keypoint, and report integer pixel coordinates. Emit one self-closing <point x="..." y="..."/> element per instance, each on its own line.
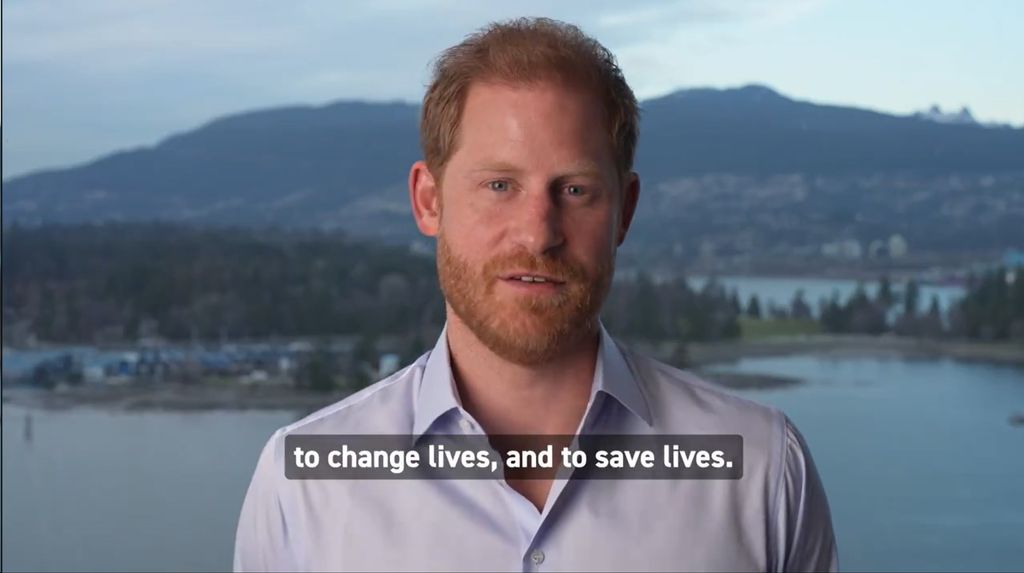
<point x="528" y="131"/>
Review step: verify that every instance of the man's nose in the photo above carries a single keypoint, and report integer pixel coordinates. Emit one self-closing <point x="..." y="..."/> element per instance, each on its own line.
<point x="537" y="225"/>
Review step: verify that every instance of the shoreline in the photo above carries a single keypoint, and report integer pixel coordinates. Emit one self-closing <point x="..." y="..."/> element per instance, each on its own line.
<point x="173" y="396"/>
<point x="885" y="346"/>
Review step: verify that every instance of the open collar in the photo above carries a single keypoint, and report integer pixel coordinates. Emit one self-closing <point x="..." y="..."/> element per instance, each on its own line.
<point x="438" y="394"/>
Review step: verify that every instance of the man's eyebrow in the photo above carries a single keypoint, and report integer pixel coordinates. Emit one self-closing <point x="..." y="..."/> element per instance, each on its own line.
<point x="581" y="169"/>
<point x="496" y="167"/>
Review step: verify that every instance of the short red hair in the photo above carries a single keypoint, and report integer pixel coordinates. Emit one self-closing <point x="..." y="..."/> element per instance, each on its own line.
<point x="526" y="50"/>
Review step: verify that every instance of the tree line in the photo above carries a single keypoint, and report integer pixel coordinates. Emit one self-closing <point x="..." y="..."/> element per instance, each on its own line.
<point x="991" y="309"/>
<point x="111" y="283"/>
<point x="117" y="283"/>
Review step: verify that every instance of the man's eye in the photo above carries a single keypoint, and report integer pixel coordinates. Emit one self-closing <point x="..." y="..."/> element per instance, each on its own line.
<point x="498" y="185"/>
<point x="575" y="190"/>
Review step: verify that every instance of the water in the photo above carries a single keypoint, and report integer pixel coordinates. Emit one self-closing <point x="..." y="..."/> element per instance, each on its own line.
<point x="922" y="469"/>
<point x="86" y="489"/>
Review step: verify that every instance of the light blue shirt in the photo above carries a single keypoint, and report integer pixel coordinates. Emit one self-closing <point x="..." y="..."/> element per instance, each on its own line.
<point x="775" y="518"/>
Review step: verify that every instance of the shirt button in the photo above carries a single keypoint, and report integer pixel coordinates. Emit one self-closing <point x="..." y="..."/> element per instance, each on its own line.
<point x="466" y="425"/>
<point x="537" y="556"/>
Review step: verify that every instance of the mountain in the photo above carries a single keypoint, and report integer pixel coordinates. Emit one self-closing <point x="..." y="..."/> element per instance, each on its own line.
<point x="962" y="117"/>
<point x="292" y="166"/>
<point x="756" y="130"/>
<point x="344" y="165"/>
<point x="935" y="113"/>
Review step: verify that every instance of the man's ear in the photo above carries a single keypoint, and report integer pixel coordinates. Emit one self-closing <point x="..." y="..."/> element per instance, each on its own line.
<point x="425" y="199"/>
<point x="630" y="197"/>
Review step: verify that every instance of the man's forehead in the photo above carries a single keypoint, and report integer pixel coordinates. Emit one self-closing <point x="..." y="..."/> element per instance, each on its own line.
<point x="489" y="165"/>
<point x="489" y="104"/>
<point x="503" y="135"/>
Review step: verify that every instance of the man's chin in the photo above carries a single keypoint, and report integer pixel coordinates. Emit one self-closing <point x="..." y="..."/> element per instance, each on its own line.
<point x="526" y="338"/>
<point x="525" y="350"/>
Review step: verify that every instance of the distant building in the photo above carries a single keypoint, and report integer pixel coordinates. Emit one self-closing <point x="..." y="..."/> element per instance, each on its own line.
<point x="895" y="247"/>
<point x="94" y="374"/>
<point x="843" y="249"/>
<point x="878" y="249"/>
<point x="898" y="246"/>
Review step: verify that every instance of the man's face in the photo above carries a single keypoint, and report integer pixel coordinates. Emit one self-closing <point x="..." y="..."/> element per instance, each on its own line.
<point x="531" y="213"/>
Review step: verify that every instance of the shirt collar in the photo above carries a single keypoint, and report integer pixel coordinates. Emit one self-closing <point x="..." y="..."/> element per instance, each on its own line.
<point x="438" y="394"/>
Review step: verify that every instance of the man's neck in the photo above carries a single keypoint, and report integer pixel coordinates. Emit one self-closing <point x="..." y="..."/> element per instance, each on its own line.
<point x="510" y="398"/>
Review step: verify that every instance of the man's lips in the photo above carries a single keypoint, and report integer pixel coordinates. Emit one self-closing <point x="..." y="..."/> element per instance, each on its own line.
<point x="527" y="277"/>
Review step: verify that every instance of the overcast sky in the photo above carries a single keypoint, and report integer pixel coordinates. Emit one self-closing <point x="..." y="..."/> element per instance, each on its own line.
<point x="83" y="78"/>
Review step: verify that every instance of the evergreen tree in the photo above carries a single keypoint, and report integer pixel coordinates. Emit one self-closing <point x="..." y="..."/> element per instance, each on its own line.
<point x="734" y="302"/>
<point x="885" y="296"/>
<point x="320" y="369"/>
<point x="911" y="297"/>
<point x="798" y="307"/>
<point x="934" y="310"/>
<point x="754" y="307"/>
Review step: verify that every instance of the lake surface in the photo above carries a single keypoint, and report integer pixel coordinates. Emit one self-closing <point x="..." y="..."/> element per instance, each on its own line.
<point x="922" y="469"/>
<point x="86" y="489"/>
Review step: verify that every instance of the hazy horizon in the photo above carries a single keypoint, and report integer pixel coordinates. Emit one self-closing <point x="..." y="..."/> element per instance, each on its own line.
<point x="84" y="80"/>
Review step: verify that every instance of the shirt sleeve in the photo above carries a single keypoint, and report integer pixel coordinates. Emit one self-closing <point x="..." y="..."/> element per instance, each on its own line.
<point x="803" y="523"/>
<point x="261" y="540"/>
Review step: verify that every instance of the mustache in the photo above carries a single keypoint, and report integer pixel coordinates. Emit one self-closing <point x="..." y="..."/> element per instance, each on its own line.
<point x="560" y="268"/>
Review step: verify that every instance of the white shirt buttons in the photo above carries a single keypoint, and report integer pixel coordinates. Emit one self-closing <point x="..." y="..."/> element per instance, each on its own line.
<point x="537" y="557"/>
<point x="466" y="425"/>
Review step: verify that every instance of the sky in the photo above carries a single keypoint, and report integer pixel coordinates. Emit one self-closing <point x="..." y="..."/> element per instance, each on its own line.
<point x="81" y="79"/>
